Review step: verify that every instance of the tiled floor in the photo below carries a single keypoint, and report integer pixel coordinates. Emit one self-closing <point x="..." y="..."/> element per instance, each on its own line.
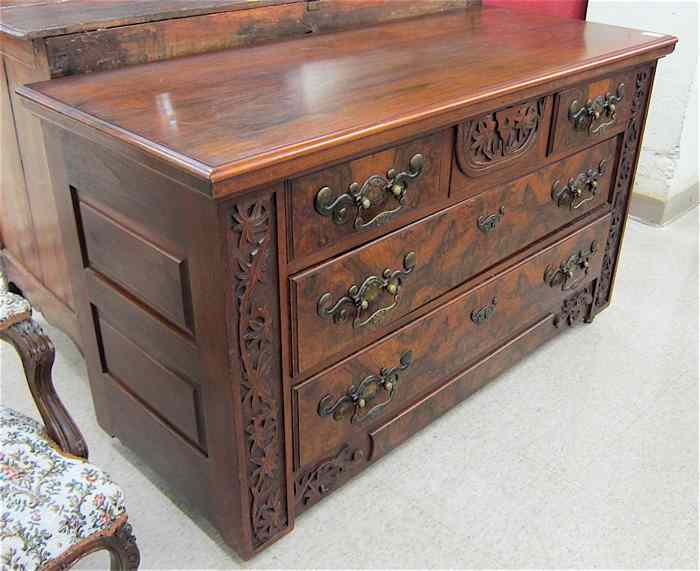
<point x="585" y="455"/>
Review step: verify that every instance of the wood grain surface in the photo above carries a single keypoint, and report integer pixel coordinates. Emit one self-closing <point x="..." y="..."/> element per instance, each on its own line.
<point x="234" y="112"/>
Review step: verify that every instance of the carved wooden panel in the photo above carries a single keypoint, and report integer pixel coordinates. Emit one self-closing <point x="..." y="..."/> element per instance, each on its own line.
<point x="313" y="484"/>
<point x="625" y="178"/>
<point x="253" y="324"/>
<point x="576" y="308"/>
<point x="500" y="137"/>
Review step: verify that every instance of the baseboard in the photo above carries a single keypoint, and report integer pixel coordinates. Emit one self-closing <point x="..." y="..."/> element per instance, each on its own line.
<point x="658" y="212"/>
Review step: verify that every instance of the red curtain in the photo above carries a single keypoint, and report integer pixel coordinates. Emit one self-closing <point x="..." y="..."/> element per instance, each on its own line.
<point x="561" y="8"/>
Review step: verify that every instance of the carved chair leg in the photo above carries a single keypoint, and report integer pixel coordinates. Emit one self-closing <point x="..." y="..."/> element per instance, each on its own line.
<point x="37" y="353"/>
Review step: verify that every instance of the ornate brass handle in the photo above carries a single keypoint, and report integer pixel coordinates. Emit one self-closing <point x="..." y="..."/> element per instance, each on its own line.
<point x="358" y="397"/>
<point x="588" y="116"/>
<point x="485" y="313"/>
<point x="374" y="193"/>
<point x="565" y="276"/>
<point x="572" y="195"/>
<point x="488" y="223"/>
<point x="357" y="301"/>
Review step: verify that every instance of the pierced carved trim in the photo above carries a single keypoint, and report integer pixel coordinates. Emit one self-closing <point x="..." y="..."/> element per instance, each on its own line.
<point x="310" y="486"/>
<point x="576" y="308"/>
<point x="623" y="183"/>
<point x="254" y="324"/>
<point x="498" y="138"/>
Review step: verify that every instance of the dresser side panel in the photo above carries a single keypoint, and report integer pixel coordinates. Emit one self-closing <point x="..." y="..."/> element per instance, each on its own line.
<point x="189" y="442"/>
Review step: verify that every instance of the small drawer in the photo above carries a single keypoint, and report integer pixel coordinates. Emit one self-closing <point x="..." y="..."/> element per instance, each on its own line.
<point x="372" y="386"/>
<point x="591" y="112"/>
<point x="358" y="200"/>
<point x="339" y="304"/>
<point x="500" y="145"/>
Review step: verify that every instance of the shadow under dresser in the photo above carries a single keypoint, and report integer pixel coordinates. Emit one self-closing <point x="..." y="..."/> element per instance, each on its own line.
<point x="289" y="258"/>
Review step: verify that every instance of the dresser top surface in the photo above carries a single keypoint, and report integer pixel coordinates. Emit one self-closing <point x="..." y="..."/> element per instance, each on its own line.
<point x="29" y="19"/>
<point x="228" y="113"/>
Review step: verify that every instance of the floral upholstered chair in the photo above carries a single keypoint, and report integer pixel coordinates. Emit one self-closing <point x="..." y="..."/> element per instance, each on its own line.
<point x="56" y="508"/>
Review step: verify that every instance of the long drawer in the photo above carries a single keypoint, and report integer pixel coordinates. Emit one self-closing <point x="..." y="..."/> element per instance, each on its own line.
<point x="335" y="405"/>
<point x="347" y="298"/>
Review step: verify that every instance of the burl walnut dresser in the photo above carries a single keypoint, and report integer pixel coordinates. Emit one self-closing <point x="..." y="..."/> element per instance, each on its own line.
<point x="289" y="258"/>
<point x="46" y="39"/>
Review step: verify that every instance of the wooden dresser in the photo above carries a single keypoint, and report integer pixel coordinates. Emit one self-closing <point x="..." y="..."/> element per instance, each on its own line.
<point x="289" y="258"/>
<point x="45" y="39"/>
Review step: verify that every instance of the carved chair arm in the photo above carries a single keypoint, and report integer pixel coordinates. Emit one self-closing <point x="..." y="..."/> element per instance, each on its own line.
<point x="37" y="354"/>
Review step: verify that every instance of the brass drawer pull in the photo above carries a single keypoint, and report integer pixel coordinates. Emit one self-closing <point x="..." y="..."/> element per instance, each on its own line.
<point x="596" y="114"/>
<point x="479" y="316"/>
<point x="375" y="193"/>
<point x="358" y="398"/>
<point x="488" y="223"/>
<point x="572" y="195"/>
<point x="358" y="299"/>
<point x="572" y="271"/>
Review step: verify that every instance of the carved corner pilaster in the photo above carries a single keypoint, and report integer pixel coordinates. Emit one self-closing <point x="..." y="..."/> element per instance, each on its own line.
<point x="623" y="182"/>
<point x="254" y="355"/>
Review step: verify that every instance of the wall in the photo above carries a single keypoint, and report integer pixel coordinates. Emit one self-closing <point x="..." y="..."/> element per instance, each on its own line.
<point x="667" y="178"/>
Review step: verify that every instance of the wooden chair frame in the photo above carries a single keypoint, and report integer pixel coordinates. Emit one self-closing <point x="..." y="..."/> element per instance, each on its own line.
<point x="37" y="353"/>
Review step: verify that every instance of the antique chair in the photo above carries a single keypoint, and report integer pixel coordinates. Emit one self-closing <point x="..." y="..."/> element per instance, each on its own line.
<point x="56" y="507"/>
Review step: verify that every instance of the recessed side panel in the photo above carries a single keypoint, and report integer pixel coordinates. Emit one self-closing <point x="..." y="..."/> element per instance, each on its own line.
<point x="145" y="270"/>
<point x="172" y="397"/>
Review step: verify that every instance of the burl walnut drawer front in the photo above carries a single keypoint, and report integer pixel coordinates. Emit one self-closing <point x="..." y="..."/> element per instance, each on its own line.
<point x="348" y="201"/>
<point x="591" y="111"/>
<point x="379" y="381"/>
<point x="345" y="299"/>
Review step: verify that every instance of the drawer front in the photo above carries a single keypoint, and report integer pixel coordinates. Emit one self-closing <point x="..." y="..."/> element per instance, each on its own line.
<point x="433" y="256"/>
<point x="591" y="112"/>
<point x="498" y="146"/>
<point x="353" y="201"/>
<point x="376" y="383"/>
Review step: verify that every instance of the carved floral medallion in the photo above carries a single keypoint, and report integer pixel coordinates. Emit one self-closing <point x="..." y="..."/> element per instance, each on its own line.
<point x="497" y="138"/>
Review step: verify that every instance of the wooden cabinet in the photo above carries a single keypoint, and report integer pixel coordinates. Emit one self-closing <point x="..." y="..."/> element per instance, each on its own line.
<point x="274" y="292"/>
<point x="55" y="38"/>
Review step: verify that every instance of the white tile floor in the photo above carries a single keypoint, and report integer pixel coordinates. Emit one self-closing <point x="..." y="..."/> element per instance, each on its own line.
<point x="585" y="455"/>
